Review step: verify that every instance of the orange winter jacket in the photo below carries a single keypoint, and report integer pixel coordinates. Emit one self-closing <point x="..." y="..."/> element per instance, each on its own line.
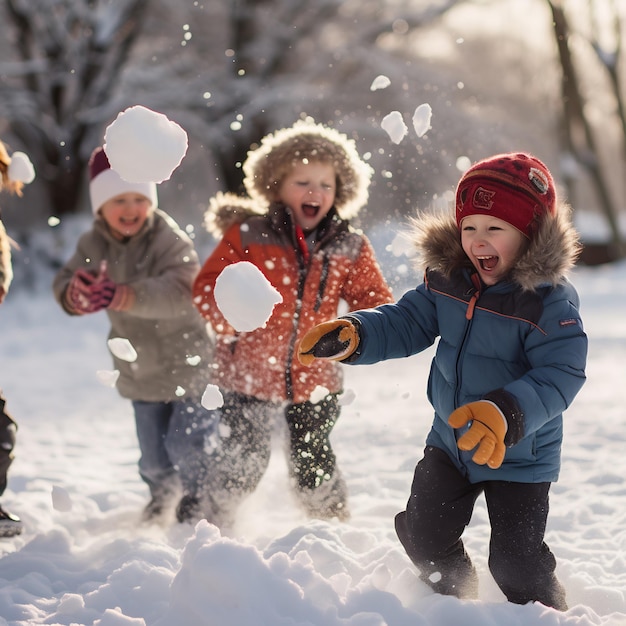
<point x="341" y="266"/>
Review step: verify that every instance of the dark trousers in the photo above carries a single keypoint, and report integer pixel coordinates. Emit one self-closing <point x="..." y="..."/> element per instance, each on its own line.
<point x="439" y="509"/>
<point x="8" y="429"/>
<point x="239" y="461"/>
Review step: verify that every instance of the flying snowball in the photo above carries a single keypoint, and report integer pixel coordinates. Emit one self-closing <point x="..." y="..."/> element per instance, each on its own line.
<point x="463" y="163"/>
<point x="61" y="500"/>
<point x="402" y="245"/>
<point x="394" y="126"/>
<point x="421" y="119"/>
<point x="318" y="394"/>
<point x="347" y="397"/>
<point x="122" y="349"/>
<point x="245" y="297"/>
<point x="21" y="169"/>
<point x="212" y="398"/>
<point x="108" y="377"/>
<point x="380" y="82"/>
<point x="144" y="146"/>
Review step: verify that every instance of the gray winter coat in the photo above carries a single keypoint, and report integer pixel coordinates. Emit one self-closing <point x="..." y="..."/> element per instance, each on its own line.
<point x="163" y="325"/>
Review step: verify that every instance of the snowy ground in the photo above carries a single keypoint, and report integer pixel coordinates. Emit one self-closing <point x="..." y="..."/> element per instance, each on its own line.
<point x="85" y="559"/>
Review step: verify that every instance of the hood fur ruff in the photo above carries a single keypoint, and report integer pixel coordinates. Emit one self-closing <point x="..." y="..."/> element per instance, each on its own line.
<point x="267" y="165"/>
<point x="551" y="253"/>
<point x="226" y="209"/>
<point x="305" y="141"/>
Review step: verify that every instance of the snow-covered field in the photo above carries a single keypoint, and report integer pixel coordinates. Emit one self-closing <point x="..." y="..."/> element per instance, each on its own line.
<point x="84" y="558"/>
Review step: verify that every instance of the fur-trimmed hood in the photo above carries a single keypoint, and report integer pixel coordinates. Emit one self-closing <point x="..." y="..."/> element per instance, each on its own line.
<point x="551" y="253"/>
<point x="305" y="141"/>
<point x="226" y="209"/>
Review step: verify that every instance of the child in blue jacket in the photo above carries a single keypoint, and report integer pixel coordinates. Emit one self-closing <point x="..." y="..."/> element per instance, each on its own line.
<point x="510" y="359"/>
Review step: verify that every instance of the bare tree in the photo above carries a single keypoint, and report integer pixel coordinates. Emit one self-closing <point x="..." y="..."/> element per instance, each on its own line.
<point x="69" y="55"/>
<point x="251" y="65"/>
<point x="579" y="136"/>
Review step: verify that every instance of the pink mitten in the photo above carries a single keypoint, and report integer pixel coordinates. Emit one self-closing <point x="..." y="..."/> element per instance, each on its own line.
<point x="78" y="292"/>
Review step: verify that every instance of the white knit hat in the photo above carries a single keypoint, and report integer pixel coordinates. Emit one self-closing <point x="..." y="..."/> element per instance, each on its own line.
<point x="106" y="183"/>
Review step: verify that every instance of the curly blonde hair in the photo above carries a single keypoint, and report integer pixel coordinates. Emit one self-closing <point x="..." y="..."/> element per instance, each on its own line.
<point x="306" y="141"/>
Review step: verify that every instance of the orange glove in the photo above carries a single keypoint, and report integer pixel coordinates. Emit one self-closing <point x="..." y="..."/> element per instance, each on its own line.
<point x="335" y="340"/>
<point x="487" y="431"/>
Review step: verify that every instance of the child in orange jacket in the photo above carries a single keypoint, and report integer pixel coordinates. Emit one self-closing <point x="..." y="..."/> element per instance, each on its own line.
<point x="304" y="183"/>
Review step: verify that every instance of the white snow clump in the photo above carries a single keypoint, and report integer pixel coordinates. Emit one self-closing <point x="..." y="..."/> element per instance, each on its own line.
<point x="394" y="126"/>
<point x="122" y="349"/>
<point x="421" y="119"/>
<point x="61" y="500"/>
<point x="21" y="169"/>
<point x="212" y="398"/>
<point x="108" y="377"/>
<point x="144" y="146"/>
<point x="245" y="297"/>
<point x="380" y="82"/>
<point x="318" y="394"/>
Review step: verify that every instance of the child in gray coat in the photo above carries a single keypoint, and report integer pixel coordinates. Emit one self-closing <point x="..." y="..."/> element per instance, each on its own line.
<point x="137" y="265"/>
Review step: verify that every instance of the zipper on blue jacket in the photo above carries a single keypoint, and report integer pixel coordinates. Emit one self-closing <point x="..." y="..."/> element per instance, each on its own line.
<point x="469" y="316"/>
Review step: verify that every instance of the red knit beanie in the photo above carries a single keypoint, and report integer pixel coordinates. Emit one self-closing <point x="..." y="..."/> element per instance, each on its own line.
<point x="105" y="183"/>
<point x="517" y="188"/>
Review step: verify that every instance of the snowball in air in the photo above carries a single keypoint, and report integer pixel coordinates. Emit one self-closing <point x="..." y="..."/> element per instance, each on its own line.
<point x="463" y="163"/>
<point x="380" y="82"/>
<point x="394" y="126"/>
<point x="347" y="397"/>
<point x="212" y="398"/>
<point x="122" y="349"/>
<point x="144" y="146"/>
<point x="21" y="169"/>
<point x="245" y="297"/>
<point x="108" y="377"/>
<point x="402" y="245"/>
<point x="421" y="119"/>
<point x="61" y="500"/>
<point x="318" y="394"/>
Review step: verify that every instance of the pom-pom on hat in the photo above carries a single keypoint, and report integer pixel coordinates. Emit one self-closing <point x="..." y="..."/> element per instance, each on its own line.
<point x="267" y="165"/>
<point x="515" y="187"/>
<point x="105" y="183"/>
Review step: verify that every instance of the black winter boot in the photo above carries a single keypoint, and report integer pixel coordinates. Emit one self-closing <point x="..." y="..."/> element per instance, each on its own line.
<point x="10" y="525"/>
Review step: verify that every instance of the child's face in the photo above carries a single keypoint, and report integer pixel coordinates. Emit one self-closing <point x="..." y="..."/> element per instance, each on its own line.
<point x="492" y="245"/>
<point x="126" y="214"/>
<point x="309" y="191"/>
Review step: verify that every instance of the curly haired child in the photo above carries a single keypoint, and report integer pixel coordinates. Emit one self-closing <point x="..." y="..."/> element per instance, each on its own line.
<point x="510" y="359"/>
<point x="304" y="183"/>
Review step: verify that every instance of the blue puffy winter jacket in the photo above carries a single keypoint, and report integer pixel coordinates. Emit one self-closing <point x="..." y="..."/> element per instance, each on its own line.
<point x="528" y="342"/>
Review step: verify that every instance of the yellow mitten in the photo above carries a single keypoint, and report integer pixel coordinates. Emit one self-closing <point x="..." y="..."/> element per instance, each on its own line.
<point x="487" y="431"/>
<point x="335" y="340"/>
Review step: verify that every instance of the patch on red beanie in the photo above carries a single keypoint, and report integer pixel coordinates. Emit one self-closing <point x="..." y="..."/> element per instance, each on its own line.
<point x="515" y="187"/>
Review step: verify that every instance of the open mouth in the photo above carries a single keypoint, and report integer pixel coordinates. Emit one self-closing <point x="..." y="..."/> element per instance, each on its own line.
<point x="487" y="263"/>
<point x="128" y="221"/>
<point x="310" y="209"/>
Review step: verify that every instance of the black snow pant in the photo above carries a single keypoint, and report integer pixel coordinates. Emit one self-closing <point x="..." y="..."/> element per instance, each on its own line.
<point x="439" y="509"/>
<point x="8" y="429"/>
<point x="237" y="465"/>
